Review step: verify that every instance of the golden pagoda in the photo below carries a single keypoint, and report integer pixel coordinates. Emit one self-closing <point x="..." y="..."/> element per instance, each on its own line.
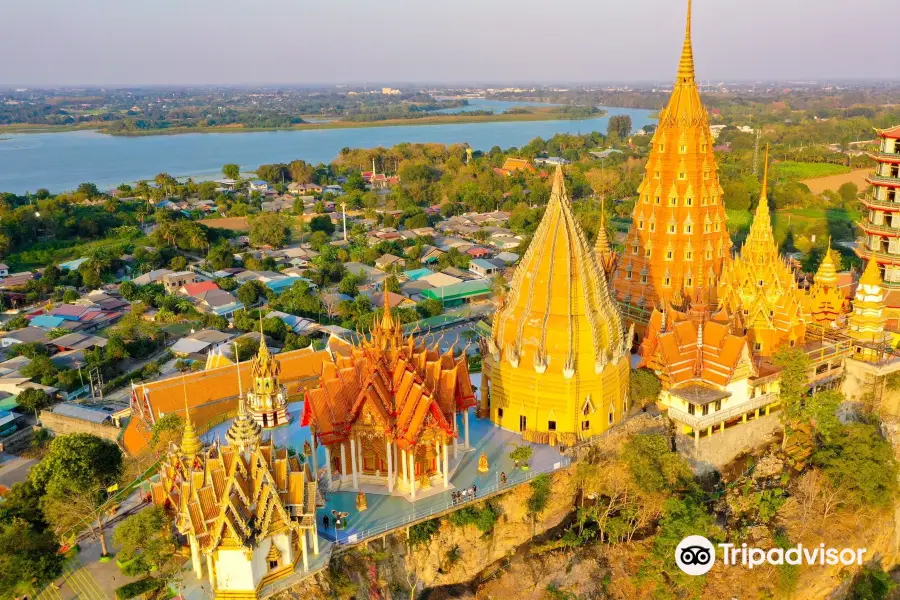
<point x="607" y="258"/>
<point x="190" y="441"/>
<point x="866" y="323"/>
<point x="556" y="363"/>
<point x="757" y="289"/>
<point x="266" y="400"/>
<point x="824" y="300"/>
<point x="678" y="240"/>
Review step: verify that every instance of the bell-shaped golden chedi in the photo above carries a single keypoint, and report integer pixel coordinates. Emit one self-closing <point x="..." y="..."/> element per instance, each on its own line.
<point x="757" y="289"/>
<point x="678" y="240"/>
<point x="556" y="363"/>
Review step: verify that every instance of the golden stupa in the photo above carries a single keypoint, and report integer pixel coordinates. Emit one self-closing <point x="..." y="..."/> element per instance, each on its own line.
<point x="866" y="323"/>
<point x="678" y="239"/>
<point x="757" y="289"/>
<point x="824" y="300"/>
<point x="556" y="364"/>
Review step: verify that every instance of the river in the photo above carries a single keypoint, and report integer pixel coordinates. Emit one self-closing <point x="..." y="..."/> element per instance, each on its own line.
<point x="60" y="161"/>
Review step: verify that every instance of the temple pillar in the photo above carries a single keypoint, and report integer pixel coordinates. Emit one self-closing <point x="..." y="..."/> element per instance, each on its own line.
<point x="466" y="427"/>
<point x="412" y="474"/>
<point x="314" y="536"/>
<point x="195" y="556"/>
<point x="315" y="459"/>
<point x="390" y="476"/>
<point x="709" y="430"/>
<point x="696" y="439"/>
<point x="756" y="414"/>
<point x="343" y="463"/>
<point x="353" y="462"/>
<point x="446" y="469"/>
<point x="456" y="438"/>
<point x="328" y="464"/>
<point x="211" y="572"/>
<point x="722" y="427"/>
<point x="767" y="410"/>
<point x="744" y="418"/>
<point x="304" y="553"/>
<point x="405" y="464"/>
<point x="396" y="462"/>
<point x="437" y="456"/>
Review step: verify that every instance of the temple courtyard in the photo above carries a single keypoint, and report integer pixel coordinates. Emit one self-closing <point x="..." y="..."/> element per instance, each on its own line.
<point x="388" y="511"/>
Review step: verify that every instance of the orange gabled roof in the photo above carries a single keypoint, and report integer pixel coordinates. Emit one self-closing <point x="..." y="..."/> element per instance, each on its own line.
<point x="706" y="352"/>
<point x="890" y="132"/>
<point x="517" y="164"/>
<point x="407" y="387"/>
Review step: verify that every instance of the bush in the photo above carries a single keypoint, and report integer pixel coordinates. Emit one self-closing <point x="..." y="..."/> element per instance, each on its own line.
<point x="540" y="494"/>
<point x="139" y="587"/>
<point x="483" y="517"/>
<point x="422" y="533"/>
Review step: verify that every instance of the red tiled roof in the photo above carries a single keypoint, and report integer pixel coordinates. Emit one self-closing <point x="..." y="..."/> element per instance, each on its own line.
<point x="195" y="289"/>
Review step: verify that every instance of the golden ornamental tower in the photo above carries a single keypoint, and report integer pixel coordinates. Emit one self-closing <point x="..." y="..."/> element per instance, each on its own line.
<point x="266" y="399"/>
<point x="245" y="432"/>
<point x="190" y="441"/>
<point x="607" y="258"/>
<point x="825" y="301"/>
<point x="757" y="289"/>
<point x="866" y="323"/>
<point x="556" y="363"/>
<point x="678" y="239"/>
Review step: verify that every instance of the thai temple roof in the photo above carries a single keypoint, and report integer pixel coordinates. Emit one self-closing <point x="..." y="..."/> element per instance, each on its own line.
<point x="675" y="249"/>
<point x="758" y="291"/>
<point x="559" y="314"/>
<point x="825" y="300"/>
<point x="689" y="352"/>
<point x="396" y="384"/>
<point x="228" y="497"/>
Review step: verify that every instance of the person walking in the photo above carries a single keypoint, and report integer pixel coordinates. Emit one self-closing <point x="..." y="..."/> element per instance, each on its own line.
<point x="325" y="521"/>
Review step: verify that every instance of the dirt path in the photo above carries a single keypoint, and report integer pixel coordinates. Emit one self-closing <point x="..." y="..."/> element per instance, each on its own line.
<point x="233" y="223"/>
<point x="833" y="182"/>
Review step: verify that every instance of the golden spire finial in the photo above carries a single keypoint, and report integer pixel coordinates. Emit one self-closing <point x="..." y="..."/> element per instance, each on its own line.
<point x="190" y="442"/>
<point x="387" y="321"/>
<point x="686" y="65"/>
<point x="872" y="275"/>
<point x="558" y="190"/>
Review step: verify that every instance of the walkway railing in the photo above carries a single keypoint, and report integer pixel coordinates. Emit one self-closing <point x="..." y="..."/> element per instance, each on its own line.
<point x="517" y="478"/>
<point x="714" y="418"/>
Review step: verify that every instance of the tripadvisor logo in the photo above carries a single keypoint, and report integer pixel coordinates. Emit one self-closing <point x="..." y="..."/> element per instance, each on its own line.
<point x="695" y="555"/>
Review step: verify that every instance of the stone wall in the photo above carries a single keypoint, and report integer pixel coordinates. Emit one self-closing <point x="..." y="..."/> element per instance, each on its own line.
<point x="719" y="449"/>
<point x="866" y="383"/>
<point x="62" y="425"/>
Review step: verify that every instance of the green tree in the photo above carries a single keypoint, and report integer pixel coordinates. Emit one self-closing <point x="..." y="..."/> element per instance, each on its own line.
<point x="34" y="399"/>
<point x="251" y="292"/>
<point x="619" y="126"/>
<point x="146" y="538"/>
<point x="231" y="171"/>
<point x="221" y="256"/>
<point x="653" y="465"/>
<point x="873" y="583"/>
<point x="178" y="263"/>
<point x="70" y="296"/>
<point x="29" y="557"/>
<point x="17" y="322"/>
<point x="645" y="387"/>
<point x="269" y="229"/>
<point x="860" y="462"/>
<point x="321" y="223"/>
<point x="77" y="460"/>
<point x="88" y="189"/>
<point x="848" y="192"/>
<point x="794" y="365"/>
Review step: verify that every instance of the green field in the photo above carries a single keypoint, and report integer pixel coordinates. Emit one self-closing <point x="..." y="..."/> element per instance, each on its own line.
<point x="795" y="171"/>
<point x="53" y="252"/>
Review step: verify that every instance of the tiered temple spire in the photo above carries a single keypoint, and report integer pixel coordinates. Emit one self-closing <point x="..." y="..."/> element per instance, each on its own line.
<point x="825" y="301"/>
<point x="866" y="326"/>
<point x="757" y="289"/>
<point x="678" y="241"/>
<point x="190" y="441"/>
<point x="245" y="433"/>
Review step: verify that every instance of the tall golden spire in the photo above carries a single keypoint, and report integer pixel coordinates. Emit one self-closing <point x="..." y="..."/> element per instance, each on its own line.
<point x="602" y="249"/>
<point x="190" y="442"/>
<point x="244" y="432"/>
<point x="686" y="65"/>
<point x="387" y="320"/>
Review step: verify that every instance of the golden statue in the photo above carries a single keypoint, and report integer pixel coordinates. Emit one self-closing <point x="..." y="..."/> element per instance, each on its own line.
<point x="483" y="463"/>
<point x="307" y="448"/>
<point x="361" y="502"/>
<point x="424" y="482"/>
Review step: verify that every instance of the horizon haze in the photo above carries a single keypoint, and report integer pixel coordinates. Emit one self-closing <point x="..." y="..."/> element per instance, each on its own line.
<point x="105" y="42"/>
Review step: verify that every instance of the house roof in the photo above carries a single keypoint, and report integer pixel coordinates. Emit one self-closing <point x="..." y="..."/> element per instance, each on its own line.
<point x="27" y="335"/>
<point x="47" y="321"/>
<point x="440" y="280"/>
<point x="457" y="291"/>
<point x="393" y="298"/>
<point x="79" y="341"/>
<point x="82" y="413"/>
<point x="483" y="264"/>
<point x="189" y="346"/>
<point x="195" y="289"/>
<point x="416" y="274"/>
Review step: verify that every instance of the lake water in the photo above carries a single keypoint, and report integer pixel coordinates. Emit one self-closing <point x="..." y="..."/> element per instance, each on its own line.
<point x="60" y="161"/>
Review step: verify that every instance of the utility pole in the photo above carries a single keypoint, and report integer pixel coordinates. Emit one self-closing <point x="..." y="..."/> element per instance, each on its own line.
<point x="344" y="209"/>
<point x="756" y="155"/>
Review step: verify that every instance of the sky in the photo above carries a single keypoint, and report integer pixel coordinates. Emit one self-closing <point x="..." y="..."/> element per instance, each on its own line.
<point x="160" y="42"/>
